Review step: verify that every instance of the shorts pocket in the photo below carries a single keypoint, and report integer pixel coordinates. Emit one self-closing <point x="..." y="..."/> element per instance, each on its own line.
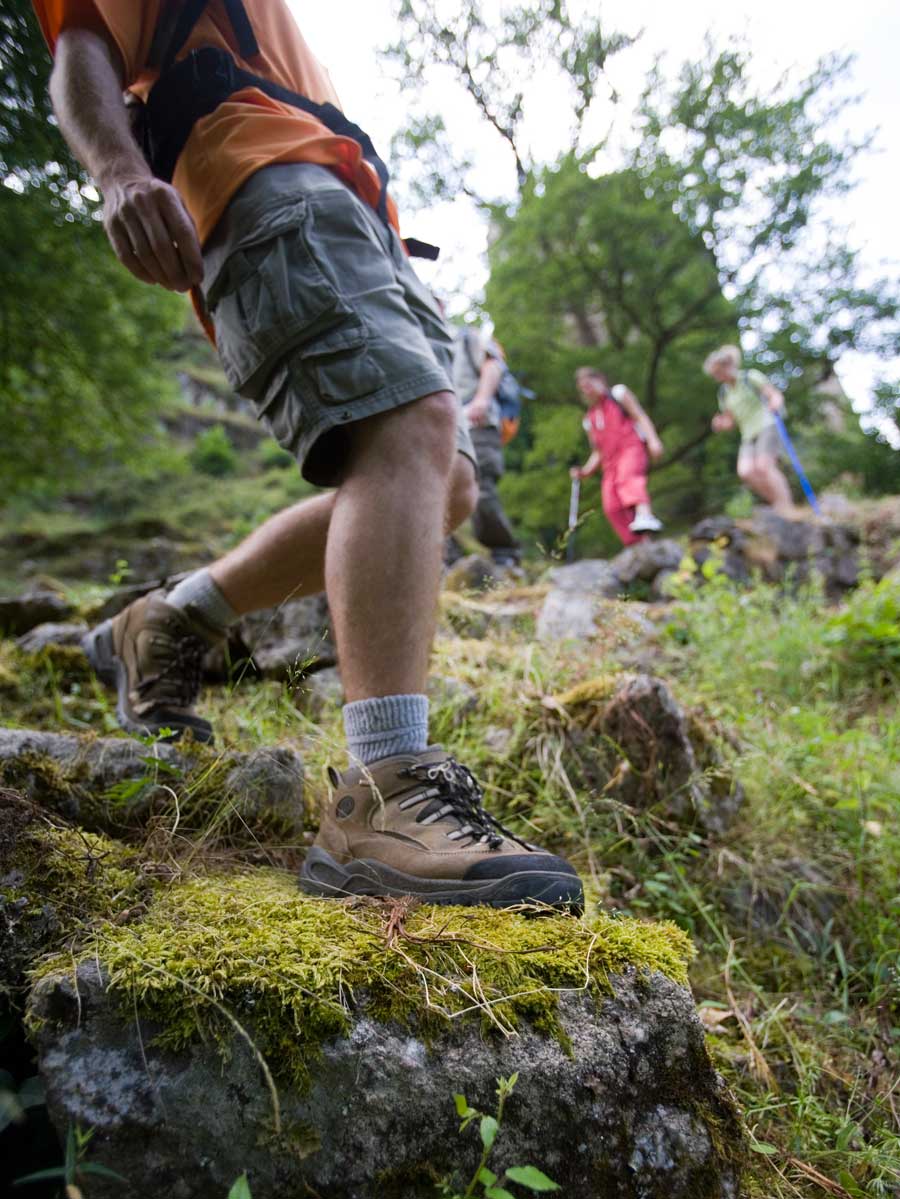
<point x="270" y="298"/>
<point x="339" y="366"/>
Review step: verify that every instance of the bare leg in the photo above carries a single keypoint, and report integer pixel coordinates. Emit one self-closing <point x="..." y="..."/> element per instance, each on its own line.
<point x="383" y="559"/>
<point x="285" y="557"/>
<point x="773" y="486"/>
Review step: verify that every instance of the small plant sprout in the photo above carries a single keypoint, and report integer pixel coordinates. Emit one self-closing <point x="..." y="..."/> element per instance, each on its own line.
<point x="485" y="1184"/>
<point x="74" y="1169"/>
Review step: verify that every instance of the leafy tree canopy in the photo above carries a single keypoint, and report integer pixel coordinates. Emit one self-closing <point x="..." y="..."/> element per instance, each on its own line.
<point x="82" y="374"/>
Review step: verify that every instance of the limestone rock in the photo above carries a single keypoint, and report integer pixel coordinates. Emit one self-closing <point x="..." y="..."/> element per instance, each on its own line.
<point x="290" y="639"/>
<point x="483" y="617"/>
<point x="267" y="785"/>
<point x="631" y="740"/>
<point x="634" y="1109"/>
<point x="25" y="612"/>
<point x="592" y="576"/>
<point x="452" y="693"/>
<point x="571" y="607"/>
<point x="646" y="559"/>
<point x="51" y="633"/>
<point x="472" y="573"/>
<point x="567" y="615"/>
<point x="116" y="783"/>
<point x="65" y="771"/>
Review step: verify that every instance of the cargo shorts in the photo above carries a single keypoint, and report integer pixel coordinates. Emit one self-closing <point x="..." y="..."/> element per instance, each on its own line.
<point x="320" y="319"/>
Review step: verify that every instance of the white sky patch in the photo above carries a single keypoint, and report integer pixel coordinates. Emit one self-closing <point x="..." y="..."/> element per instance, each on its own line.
<point x="785" y="37"/>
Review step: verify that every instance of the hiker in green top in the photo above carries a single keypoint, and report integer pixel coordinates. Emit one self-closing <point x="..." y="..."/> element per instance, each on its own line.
<point x="747" y="400"/>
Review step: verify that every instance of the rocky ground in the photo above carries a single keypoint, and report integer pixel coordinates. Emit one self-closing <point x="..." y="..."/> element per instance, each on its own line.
<point x="701" y="725"/>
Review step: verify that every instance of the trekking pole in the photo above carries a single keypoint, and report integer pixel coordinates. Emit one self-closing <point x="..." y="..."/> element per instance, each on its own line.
<point x="795" y="463"/>
<point x="574" y="500"/>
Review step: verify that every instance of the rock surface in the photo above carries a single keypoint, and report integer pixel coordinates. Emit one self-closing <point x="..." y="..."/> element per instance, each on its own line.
<point x="634" y="1111"/>
<point x="115" y="782"/>
<point x="629" y="739"/>
<point x="22" y="613"/>
<point x="52" y="633"/>
<point x="290" y="639"/>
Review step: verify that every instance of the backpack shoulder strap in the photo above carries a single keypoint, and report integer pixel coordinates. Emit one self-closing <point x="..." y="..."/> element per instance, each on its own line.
<point x="176" y="23"/>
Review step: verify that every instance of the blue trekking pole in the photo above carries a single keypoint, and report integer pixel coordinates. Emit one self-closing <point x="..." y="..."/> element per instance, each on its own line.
<point x="795" y="463"/>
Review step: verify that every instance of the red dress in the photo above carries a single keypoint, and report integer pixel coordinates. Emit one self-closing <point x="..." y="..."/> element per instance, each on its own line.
<point x="623" y="457"/>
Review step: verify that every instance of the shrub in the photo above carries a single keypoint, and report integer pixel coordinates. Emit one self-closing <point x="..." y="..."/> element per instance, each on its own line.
<point x="213" y="454"/>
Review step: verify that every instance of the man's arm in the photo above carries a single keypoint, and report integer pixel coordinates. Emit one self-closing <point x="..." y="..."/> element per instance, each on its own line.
<point x="478" y="407"/>
<point x="144" y="218"/>
<point x="632" y="406"/>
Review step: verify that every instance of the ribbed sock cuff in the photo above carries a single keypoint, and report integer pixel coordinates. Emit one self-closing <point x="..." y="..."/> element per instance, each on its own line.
<point x="384" y="726"/>
<point x="199" y="594"/>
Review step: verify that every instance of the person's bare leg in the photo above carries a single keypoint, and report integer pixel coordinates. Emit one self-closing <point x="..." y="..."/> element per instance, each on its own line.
<point x="773" y="486"/>
<point x="283" y="559"/>
<point x="383" y="558"/>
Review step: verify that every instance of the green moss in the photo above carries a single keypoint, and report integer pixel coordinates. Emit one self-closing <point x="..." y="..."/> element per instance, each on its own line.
<point x="58" y="884"/>
<point x="292" y="966"/>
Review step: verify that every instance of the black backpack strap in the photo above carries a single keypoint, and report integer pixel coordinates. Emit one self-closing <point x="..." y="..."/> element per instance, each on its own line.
<point x="243" y="30"/>
<point x="174" y="33"/>
<point x="421" y="249"/>
<point x="174" y="27"/>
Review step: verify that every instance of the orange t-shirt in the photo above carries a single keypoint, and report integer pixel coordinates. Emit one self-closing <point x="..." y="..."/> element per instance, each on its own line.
<point x="249" y="130"/>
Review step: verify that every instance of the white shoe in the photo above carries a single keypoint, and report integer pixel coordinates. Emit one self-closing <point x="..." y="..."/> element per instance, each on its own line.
<point x="646" y="524"/>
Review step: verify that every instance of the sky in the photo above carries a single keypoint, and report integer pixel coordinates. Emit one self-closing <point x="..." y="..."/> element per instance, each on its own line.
<point x="784" y="36"/>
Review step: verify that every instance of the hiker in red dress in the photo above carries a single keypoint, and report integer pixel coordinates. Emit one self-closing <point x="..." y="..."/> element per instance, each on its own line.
<point x="622" y="436"/>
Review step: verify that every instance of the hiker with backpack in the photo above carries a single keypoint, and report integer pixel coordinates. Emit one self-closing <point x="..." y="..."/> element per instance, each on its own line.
<point x="622" y="438"/>
<point x="748" y="401"/>
<point x="252" y="189"/>
<point x="491" y="398"/>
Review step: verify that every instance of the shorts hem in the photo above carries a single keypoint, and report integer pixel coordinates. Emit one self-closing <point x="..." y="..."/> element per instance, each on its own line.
<point x="386" y="399"/>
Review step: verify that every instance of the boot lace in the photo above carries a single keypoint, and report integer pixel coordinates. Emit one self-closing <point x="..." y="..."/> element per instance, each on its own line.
<point x="454" y="792"/>
<point x="179" y="662"/>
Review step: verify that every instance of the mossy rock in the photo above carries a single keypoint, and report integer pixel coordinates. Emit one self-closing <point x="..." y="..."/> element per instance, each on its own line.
<point x="210" y="1024"/>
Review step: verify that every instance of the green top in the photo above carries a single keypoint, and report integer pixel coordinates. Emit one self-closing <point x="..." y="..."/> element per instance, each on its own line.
<point x="744" y="400"/>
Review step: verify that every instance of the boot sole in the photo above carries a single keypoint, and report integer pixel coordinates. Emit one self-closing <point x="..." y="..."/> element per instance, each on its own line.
<point x="322" y="876"/>
<point x="110" y="670"/>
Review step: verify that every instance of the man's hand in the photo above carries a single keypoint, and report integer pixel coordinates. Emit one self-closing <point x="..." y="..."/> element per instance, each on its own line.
<point x="776" y="400"/>
<point x="477" y="412"/>
<point x="720" y="422"/>
<point x="151" y="231"/>
<point x="576" y="472"/>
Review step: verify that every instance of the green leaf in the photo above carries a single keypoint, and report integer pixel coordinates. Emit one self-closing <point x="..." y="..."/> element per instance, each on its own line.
<point x="462" y="1106"/>
<point x="100" y="1171"/>
<point x="498" y="1193"/>
<point x="488" y="1130"/>
<point x="531" y="1177"/>
<point x="850" y="1185"/>
<point x="487" y="1177"/>
<point x="763" y="1147"/>
<point x="41" y="1175"/>
<point x="240" y="1189"/>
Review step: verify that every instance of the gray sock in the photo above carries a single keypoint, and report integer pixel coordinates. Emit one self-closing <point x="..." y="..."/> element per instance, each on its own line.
<point x="388" y="725"/>
<point x="200" y="594"/>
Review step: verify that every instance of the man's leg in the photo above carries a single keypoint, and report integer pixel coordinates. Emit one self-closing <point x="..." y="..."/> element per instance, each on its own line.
<point x="490" y="524"/>
<point x="383" y="558"/>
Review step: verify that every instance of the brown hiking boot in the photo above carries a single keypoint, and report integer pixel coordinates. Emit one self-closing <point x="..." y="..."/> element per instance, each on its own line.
<point x="153" y="654"/>
<point x="414" y="825"/>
